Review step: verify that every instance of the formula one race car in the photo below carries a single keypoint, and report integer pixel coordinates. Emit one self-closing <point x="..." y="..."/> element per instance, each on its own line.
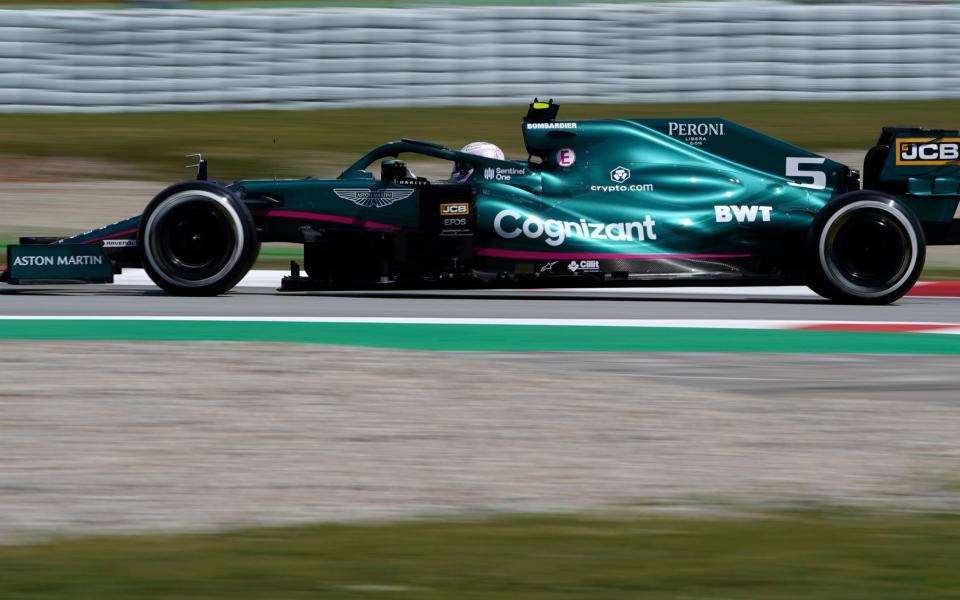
<point x="604" y="202"/>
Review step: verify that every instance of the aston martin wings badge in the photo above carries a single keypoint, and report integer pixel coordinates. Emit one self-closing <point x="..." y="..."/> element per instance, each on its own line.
<point x="368" y="198"/>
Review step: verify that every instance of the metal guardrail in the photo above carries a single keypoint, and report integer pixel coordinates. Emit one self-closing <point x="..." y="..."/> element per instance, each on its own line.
<point x="150" y="60"/>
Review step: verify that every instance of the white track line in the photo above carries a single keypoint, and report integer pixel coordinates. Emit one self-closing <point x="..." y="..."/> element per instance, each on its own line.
<point x="255" y="278"/>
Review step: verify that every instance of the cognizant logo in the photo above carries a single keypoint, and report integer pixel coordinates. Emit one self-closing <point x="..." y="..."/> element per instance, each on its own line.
<point x="511" y="223"/>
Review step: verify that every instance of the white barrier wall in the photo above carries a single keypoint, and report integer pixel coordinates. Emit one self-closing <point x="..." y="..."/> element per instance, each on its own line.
<point x="139" y="60"/>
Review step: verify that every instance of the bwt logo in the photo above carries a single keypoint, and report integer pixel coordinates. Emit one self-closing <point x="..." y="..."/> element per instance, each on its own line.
<point x="620" y="174"/>
<point x="742" y="214"/>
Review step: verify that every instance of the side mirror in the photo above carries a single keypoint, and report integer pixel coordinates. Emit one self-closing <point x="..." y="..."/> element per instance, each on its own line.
<point x="392" y="170"/>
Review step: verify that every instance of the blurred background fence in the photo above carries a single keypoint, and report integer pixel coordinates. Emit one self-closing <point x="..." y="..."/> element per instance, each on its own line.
<point x="181" y="59"/>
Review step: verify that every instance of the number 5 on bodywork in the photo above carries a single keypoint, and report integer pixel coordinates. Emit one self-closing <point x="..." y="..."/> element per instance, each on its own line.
<point x="793" y="169"/>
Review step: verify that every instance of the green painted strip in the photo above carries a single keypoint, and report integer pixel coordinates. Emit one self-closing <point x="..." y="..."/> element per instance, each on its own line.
<point x="515" y="338"/>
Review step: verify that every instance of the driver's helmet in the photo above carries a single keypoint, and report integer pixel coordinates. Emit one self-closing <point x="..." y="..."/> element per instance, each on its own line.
<point x="462" y="171"/>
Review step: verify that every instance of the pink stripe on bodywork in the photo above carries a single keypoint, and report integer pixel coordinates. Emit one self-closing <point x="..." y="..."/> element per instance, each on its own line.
<point x="112" y="235"/>
<point x="498" y="253"/>
<point x="310" y="216"/>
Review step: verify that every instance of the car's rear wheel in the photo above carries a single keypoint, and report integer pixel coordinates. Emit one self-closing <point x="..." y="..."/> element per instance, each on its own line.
<point x="197" y="239"/>
<point x="865" y="248"/>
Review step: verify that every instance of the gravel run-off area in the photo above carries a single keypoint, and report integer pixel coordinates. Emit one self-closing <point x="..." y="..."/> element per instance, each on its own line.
<point x="126" y="436"/>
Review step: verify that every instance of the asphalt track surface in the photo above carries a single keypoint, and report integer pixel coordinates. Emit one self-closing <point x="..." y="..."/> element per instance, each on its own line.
<point x="635" y="303"/>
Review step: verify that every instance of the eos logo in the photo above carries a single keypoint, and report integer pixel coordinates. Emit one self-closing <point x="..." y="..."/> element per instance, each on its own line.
<point x="454" y="209"/>
<point x="620" y="174"/>
<point x="742" y="214"/>
<point x="920" y="151"/>
<point x="566" y="157"/>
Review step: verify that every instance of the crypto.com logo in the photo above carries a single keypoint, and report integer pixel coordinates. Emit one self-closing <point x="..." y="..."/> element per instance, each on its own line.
<point x="620" y="174"/>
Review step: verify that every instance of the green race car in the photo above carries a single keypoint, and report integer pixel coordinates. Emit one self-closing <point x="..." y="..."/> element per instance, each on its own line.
<point x="604" y="202"/>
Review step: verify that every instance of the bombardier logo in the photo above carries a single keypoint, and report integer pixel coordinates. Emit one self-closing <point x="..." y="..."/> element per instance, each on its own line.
<point x="551" y="125"/>
<point x="923" y="151"/>
<point x="742" y="214"/>
<point x="368" y="198"/>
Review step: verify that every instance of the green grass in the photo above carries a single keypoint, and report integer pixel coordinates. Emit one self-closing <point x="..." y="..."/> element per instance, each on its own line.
<point x="791" y="556"/>
<point x="296" y="143"/>
<point x="278" y="256"/>
<point x="934" y="273"/>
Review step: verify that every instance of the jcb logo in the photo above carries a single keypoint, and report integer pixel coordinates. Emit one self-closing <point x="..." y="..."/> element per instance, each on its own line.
<point x="742" y="214"/>
<point x="454" y="209"/>
<point x="923" y="151"/>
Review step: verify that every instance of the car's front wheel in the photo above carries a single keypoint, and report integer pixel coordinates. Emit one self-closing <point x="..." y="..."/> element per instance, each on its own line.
<point x="197" y="239"/>
<point x="865" y="248"/>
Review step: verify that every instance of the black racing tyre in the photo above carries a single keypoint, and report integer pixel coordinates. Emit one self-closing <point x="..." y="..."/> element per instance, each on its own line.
<point x="864" y="247"/>
<point x="197" y="239"/>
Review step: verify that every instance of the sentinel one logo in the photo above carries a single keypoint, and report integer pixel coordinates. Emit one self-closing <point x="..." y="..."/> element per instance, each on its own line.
<point x="510" y="224"/>
<point x="502" y="173"/>
<point x="368" y="198"/>
<point x="922" y="151"/>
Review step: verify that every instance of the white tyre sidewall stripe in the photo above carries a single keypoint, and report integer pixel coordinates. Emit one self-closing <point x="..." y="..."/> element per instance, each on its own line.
<point x="165" y="207"/>
<point x="848" y="287"/>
